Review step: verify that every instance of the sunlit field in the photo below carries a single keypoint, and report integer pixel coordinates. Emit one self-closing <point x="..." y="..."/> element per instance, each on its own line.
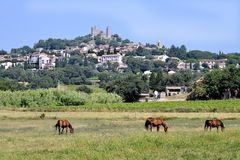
<point x="117" y="135"/>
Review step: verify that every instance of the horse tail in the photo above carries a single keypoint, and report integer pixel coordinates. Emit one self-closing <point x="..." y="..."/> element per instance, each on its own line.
<point x="57" y="124"/>
<point x="147" y="124"/>
<point x="206" y="124"/>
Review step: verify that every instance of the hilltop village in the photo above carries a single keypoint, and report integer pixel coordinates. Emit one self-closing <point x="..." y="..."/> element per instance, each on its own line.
<point x="105" y="47"/>
<point x="103" y="57"/>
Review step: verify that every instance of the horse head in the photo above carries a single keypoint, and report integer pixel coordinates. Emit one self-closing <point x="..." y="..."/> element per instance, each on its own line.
<point x="165" y="128"/>
<point x="222" y="127"/>
<point x="71" y="130"/>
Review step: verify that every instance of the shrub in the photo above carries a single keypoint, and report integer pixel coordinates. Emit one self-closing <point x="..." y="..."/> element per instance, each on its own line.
<point x="73" y="98"/>
<point x="85" y="89"/>
<point x="105" y="98"/>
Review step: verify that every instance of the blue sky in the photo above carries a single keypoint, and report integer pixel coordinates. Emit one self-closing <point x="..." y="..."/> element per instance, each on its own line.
<point x="212" y="25"/>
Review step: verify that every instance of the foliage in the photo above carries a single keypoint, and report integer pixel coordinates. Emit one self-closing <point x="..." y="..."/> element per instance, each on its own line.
<point x="51" y="97"/>
<point x="178" y="52"/>
<point x="7" y="84"/>
<point x="84" y="88"/>
<point x="129" y="87"/>
<point x="219" y="84"/>
<point x="197" y="54"/>
<point x="23" y="50"/>
<point x="158" y="81"/>
<point x="3" y="52"/>
<point x="105" y="98"/>
<point x="138" y="65"/>
<point x="69" y="98"/>
<point x="51" y="44"/>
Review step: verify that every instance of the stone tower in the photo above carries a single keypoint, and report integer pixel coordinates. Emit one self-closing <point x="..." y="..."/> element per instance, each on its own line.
<point x="109" y="32"/>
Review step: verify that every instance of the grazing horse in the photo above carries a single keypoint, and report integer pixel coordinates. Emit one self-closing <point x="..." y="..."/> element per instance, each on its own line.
<point x="213" y="123"/>
<point x="155" y="122"/>
<point x="64" y="124"/>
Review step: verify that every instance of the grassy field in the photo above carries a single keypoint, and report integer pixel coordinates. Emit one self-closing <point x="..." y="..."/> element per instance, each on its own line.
<point x="164" y="106"/>
<point x="116" y="135"/>
<point x="172" y="106"/>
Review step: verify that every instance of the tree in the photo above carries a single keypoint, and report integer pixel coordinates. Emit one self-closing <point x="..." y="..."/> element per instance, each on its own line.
<point x="84" y="88"/>
<point x="7" y="84"/>
<point x="157" y="81"/>
<point x="2" y="52"/>
<point x="217" y="83"/>
<point x="196" y="54"/>
<point x="129" y="87"/>
<point x="51" y="44"/>
<point x="205" y="65"/>
<point x="23" y="51"/>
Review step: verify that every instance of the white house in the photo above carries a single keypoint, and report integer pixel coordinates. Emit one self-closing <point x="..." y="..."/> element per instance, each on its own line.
<point x="6" y="65"/>
<point x="46" y="61"/>
<point x="171" y="72"/>
<point x="185" y="65"/>
<point x="111" y="58"/>
<point x="212" y="62"/>
<point x="162" y="58"/>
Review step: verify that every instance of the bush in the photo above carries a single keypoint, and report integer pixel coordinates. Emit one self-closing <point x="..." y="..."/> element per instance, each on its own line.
<point x="105" y="98"/>
<point x="85" y="89"/>
<point x="28" y="98"/>
<point x="73" y="98"/>
<point x="53" y="97"/>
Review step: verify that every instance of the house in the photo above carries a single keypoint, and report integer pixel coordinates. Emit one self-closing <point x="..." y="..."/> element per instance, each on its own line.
<point x="46" y="61"/>
<point x="185" y="65"/>
<point x="162" y="58"/>
<point x="117" y="58"/>
<point x="147" y="73"/>
<point x="213" y="62"/>
<point x="143" y="97"/>
<point x="6" y="65"/>
<point x="171" y="72"/>
<point x="42" y="60"/>
<point x="174" y="90"/>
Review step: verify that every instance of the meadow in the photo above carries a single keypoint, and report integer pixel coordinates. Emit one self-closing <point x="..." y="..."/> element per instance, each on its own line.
<point x="117" y="135"/>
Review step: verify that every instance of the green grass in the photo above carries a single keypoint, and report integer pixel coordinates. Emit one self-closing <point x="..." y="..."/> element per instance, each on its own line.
<point x="104" y="138"/>
<point x="170" y="106"/>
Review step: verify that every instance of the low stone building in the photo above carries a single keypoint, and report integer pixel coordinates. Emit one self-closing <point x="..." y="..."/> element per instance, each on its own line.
<point x="174" y="90"/>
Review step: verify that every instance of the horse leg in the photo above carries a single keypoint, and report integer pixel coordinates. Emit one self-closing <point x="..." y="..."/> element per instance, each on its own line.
<point x="158" y="128"/>
<point x="217" y="129"/>
<point x="151" y="128"/>
<point x="66" y="130"/>
<point x="210" y="128"/>
<point x="62" y="130"/>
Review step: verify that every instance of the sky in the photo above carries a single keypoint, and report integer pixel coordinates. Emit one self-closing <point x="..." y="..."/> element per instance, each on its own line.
<point x="210" y="25"/>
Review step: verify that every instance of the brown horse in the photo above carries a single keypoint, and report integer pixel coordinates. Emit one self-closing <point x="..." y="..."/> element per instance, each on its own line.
<point x="155" y="122"/>
<point x="64" y="124"/>
<point x="213" y="123"/>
